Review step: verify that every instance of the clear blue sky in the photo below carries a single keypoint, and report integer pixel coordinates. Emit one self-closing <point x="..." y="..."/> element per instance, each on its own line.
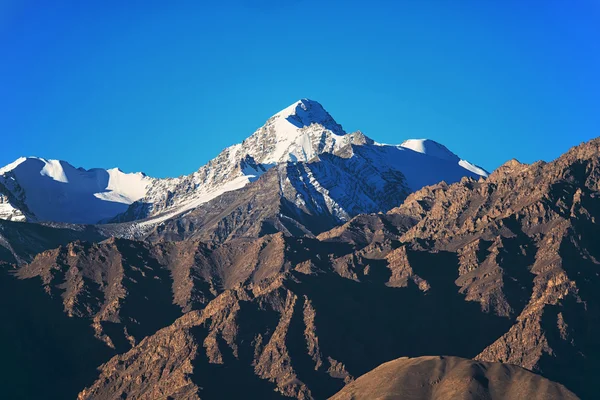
<point x="162" y="88"/>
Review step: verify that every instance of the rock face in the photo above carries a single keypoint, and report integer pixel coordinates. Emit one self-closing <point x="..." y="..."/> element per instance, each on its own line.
<point x="21" y="242"/>
<point x="300" y="133"/>
<point x="130" y="289"/>
<point x="289" y="336"/>
<point x="323" y="171"/>
<point x="501" y="270"/>
<point x="294" y="198"/>
<point x="513" y="255"/>
<point x="441" y="378"/>
<point x="525" y="243"/>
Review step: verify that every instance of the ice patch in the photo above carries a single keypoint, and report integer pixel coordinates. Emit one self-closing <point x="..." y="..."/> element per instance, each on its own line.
<point x="431" y="148"/>
<point x="53" y="169"/>
<point x="473" y="168"/>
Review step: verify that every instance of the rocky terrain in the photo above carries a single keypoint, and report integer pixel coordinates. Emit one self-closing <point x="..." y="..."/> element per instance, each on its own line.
<point x="21" y="242"/>
<point x="451" y="378"/>
<point x="258" y="294"/>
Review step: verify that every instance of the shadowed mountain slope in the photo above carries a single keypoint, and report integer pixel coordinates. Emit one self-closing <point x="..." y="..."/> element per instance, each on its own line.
<point x="499" y="270"/>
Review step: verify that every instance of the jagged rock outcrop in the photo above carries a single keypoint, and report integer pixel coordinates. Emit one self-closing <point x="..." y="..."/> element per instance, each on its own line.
<point x="301" y="334"/>
<point x="498" y="270"/>
<point x="130" y="289"/>
<point x="324" y="174"/>
<point x="21" y="242"/>
<point x="525" y="241"/>
<point x="298" y="199"/>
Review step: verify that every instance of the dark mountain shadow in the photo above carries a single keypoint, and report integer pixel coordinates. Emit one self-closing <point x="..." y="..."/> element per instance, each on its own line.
<point x="132" y="213"/>
<point x="516" y="258"/>
<point x="6" y="256"/>
<point x="29" y="239"/>
<point x="235" y="378"/>
<point x="149" y="305"/>
<point x="88" y="302"/>
<point x="114" y="330"/>
<point x="45" y="354"/>
<point x="365" y="324"/>
<point x="321" y="384"/>
<point x="576" y="349"/>
<point x="301" y="249"/>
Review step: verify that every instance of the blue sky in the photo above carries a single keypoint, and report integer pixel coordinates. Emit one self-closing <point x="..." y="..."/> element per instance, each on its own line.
<point x="162" y="88"/>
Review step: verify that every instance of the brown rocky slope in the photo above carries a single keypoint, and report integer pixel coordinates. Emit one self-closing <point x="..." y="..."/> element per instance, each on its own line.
<point x="501" y="270"/>
<point x="442" y="378"/>
<point x="513" y="255"/>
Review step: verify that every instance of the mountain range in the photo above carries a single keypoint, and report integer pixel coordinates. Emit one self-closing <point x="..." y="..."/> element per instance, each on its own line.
<point x="307" y="263"/>
<point x="317" y="161"/>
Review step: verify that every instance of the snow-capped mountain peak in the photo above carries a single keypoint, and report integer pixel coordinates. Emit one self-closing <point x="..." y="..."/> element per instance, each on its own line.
<point x="306" y="112"/>
<point x="54" y="190"/>
<point x="51" y="190"/>
<point x="299" y="132"/>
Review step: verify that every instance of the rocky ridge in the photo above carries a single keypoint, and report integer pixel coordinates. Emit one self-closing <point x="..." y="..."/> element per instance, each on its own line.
<point x="503" y="269"/>
<point x="512" y="255"/>
<point x="303" y="138"/>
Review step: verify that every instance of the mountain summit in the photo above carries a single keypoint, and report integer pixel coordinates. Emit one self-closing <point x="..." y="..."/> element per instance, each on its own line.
<point x="297" y="133"/>
<point x="306" y="112"/>
<point x="340" y="174"/>
<point x="304" y="132"/>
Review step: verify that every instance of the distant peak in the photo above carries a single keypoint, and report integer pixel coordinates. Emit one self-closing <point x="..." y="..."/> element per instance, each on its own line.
<point x="297" y="133"/>
<point x="306" y="112"/>
<point x="512" y="163"/>
<point x="307" y="104"/>
<point x="430" y="148"/>
<point x="304" y="104"/>
<point x="31" y="162"/>
<point x="48" y="164"/>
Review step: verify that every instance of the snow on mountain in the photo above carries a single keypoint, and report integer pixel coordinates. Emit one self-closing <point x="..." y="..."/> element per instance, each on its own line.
<point x="300" y="133"/>
<point x="430" y="148"/>
<point x="435" y="149"/>
<point x="51" y="190"/>
<point x="473" y="168"/>
<point x="297" y="133"/>
<point x="8" y="211"/>
<point x="365" y="179"/>
<point x="306" y="198"/>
